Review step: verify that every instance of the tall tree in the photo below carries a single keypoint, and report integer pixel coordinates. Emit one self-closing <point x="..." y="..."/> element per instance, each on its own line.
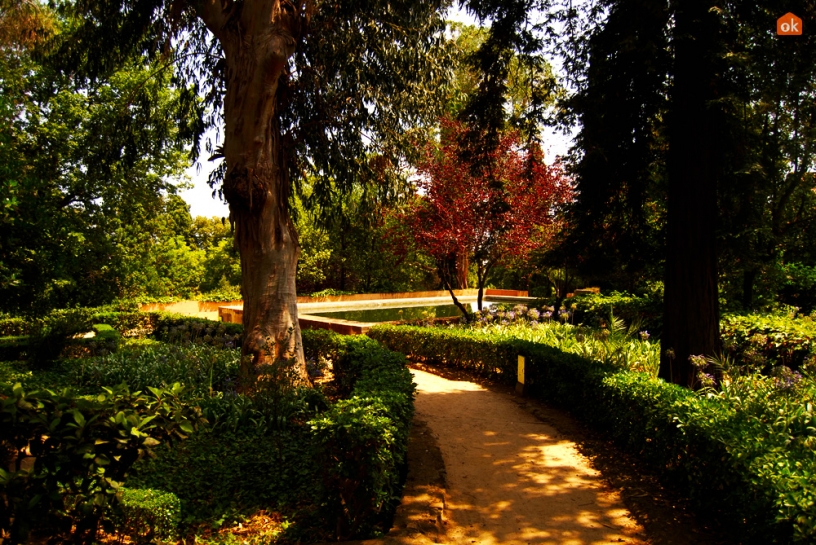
<point x="699" y="54"/>
<point x="303" y="87"/>
<point x="767" y="198"/>
<point x="691" y="316"/>
<point x="458" y="214"/>
<point x="615" y="224"/>
<point x="76" y="165"/>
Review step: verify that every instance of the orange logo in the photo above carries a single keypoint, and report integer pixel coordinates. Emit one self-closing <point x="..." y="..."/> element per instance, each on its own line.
<point x="789" y="25"/>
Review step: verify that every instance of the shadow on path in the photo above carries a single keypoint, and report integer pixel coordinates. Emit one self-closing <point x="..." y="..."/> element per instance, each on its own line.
<point x="512" y="478"/>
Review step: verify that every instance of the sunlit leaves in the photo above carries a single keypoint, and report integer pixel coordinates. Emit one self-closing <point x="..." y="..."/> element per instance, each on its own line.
<point x="509" y="210"/>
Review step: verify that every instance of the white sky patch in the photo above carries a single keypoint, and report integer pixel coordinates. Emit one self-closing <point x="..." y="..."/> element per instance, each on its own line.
<point x="199" y="197"/>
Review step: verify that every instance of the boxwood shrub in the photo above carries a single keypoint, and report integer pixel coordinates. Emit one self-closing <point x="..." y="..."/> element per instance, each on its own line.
<point x="147" y="516"/>
<point x="745" y="454"/>
<point x="335" y="468"/>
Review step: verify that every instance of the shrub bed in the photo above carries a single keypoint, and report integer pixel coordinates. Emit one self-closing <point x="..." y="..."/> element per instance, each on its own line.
<point x="746" y="453"/>
<point x="766" y="340"/>
<point x="331" y="463"/>
<point x="82" y="449"/>
<point x="594" y="309"/>
<point x="334" y="468"/>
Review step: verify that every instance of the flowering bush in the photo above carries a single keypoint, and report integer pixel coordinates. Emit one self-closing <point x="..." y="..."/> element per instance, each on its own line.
<point x="519" y="314"/>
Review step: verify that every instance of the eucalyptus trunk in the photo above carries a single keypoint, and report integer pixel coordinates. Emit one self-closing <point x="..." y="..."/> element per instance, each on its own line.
<point x="258" y="39"/>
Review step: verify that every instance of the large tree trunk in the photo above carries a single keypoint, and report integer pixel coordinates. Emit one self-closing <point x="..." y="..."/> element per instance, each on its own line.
<point x="691" y="314"/>
<point x="257" y="39"/>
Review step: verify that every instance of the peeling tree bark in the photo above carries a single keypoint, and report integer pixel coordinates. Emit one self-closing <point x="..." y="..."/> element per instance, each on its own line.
<point x="258" y="37"/>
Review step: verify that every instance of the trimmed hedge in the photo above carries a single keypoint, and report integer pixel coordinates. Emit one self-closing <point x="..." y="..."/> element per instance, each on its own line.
<point x="336" y="468"/>
<point x="746" y="454"/>
<point x="15" y="326"/>
<point x="12" y="348"/>
<point x="45" y="339"/>
<point x="178" y="328"/>
<point x="146" y="516"/>
<point x="362" y="440"/>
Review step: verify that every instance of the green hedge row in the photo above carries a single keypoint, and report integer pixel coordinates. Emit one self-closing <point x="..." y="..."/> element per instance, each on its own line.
<point x="127" y="320"/>
<point x="46" y="347"/>
<point x="13" y="348"/>
<point x="746" y="454"/>
<point x="362" y="440"/>
<point x="46" y="338"/>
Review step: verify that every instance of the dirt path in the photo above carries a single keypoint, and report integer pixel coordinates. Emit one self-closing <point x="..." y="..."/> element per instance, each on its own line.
<point x="512" y="478"/>
<point x="508" y="477"/>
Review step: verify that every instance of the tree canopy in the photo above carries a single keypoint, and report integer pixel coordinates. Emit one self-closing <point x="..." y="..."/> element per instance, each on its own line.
<point x="80" y="164"/>
<point x="461" y="218"/>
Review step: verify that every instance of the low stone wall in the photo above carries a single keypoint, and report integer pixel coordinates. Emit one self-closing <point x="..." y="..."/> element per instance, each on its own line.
<point x="376" y="296"/>
<point x="232" y="311"/>
<point x="189" y="308"/>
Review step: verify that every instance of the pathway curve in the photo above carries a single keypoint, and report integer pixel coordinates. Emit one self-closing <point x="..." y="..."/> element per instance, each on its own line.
<point x="510" y="478"/>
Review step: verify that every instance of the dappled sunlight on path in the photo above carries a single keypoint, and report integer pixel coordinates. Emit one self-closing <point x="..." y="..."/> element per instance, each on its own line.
<point x="512" y="478"/>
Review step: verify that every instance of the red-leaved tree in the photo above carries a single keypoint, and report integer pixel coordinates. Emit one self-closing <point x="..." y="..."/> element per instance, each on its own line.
<point x="505" y="209"/>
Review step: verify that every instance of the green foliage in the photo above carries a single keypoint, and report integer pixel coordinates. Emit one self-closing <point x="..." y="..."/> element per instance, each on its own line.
<point x="745" y="454"/>
<point x="84" y="448"/>
<point x="620" y="349"/>
<point x="84" y="171"/>
<point x="759" y="342"/>
<point x="13" y="325"/>
<point x="356" y="245"/>
<point x="159" y="254"/>
<point x="363" y="438"/>
<point x="200" y="368"/>
<point x="799" y="287"/>
<point x="46" y="337"/>
<point x="52" y="333"/>
<point x="178" y="328"/>
<point x="223" y="293"/>
<point x="147" y="515"/>
<point x="107" y="336"/>
<point x="221" y="475"/>
<point x="328" y="292"/>
<point x="646" y="310"/>
<point x="13" y="347"/>
<point x="333" y="467"/>
<point x="222" y="270"/>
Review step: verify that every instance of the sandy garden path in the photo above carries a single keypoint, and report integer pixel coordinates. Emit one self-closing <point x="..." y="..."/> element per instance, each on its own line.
<point x="508" y="477"/>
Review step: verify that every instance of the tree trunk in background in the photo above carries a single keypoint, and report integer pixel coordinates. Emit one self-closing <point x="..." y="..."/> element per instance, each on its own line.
<point x="448" y="271"/>
<point x="462" y="269"/>
<point x="691" y="313"/>
<point x="257" y="40"/>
